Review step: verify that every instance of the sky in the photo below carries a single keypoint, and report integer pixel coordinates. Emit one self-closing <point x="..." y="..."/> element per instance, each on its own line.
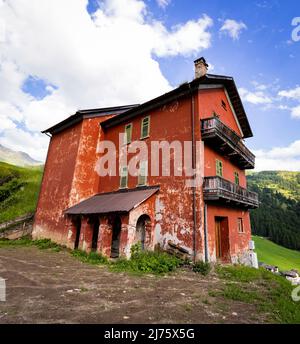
<point x="58" y="56"/>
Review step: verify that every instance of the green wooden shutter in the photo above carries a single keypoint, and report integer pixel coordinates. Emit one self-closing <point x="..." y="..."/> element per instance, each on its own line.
<point x="219" y="168"/>
<point x="128" y="133"/>
<point x="236" y="178"/>
<point x="145" y="127"/>
<point x="124" y="177"/>
<point x="143" y="173"/>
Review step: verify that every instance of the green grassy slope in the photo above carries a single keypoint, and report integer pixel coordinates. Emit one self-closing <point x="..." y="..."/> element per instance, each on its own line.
<point x="278" y="216"/>
<point x="19" y="188"/>
<point x="273" y="254"/>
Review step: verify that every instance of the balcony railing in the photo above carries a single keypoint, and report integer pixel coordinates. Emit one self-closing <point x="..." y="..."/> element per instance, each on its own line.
<point x="220" y="189"/>
<point x="227" y="142"/>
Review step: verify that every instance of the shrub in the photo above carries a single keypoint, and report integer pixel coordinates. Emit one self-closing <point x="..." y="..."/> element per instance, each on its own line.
<point x="202" y="267"/>
<point x="147" y="262"/>
<point x="92" y="257"/>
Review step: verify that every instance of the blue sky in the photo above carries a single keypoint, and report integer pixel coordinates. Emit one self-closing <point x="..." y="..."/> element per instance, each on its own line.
<point x="264" y="53"/>
<point x="249" y="40"/>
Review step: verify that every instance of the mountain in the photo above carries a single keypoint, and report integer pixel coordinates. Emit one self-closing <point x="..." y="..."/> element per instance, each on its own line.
<point x="19" y="189"/>
<point x="278" y="217"/>
<point x="17" y="158"/>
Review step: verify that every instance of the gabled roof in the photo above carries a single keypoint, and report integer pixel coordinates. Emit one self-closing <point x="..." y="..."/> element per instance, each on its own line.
<point x="208" y="80"/>
<point x="121" y="201"/>
<point x="89" y="113"/>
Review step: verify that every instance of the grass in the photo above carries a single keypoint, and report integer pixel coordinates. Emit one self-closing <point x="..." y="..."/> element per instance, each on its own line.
<point x="147" y="262"/>
<point x="270" y="293"/>
<point x="202" y="267"/>
<point x="91" y="258"/>
<point x="19" y="188"/>
<point x="42" y="244"/>
<point x="273" y="254"/>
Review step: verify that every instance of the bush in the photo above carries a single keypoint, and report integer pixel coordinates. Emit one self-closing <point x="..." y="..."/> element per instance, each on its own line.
<point x="147" y="262"/>
<point x="92" y="257"/>
<point x="202" y="267"/>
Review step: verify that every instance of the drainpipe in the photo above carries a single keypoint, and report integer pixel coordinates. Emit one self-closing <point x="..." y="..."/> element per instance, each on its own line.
<point x="194" y="177"/>
<point x="205" y="234"/>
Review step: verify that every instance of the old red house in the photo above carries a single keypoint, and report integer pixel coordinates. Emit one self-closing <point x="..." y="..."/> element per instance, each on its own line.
<point x="205" y="213"/>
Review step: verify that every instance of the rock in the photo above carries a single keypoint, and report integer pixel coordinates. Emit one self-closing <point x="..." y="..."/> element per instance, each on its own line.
<point x="234" y="314"/>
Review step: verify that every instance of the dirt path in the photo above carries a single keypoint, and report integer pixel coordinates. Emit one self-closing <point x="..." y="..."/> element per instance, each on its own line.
<point x="53" y="287"/>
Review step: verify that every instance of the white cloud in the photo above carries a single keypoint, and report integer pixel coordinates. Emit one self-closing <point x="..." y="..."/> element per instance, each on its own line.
<point x="92" y="62"/>
<point x="296" y="112"/>
<point x="183" y="39"/>
<point x="256" y="97"/>
<point x="233" y="28"/>
<point x="15" y="138"/>
<point x="291" y="94"/>
<point x="279" y="158"/>
<point x="163" y="3"/>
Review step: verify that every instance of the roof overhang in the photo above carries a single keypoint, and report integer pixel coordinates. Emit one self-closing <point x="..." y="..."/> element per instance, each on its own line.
<point x="121" y="201"/>
<point x="208" y="81"/>
<point x="89" y="113"/>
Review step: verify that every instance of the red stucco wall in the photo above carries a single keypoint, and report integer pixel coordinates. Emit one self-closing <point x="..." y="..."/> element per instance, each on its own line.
<point x="70" y="177"/>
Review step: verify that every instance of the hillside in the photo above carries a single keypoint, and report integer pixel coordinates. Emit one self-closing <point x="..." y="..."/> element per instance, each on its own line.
<point x="19" y="188"/>
<point x="278" y="216"/>
<point x="17" y="158"/>
<point x="273" y="254"/>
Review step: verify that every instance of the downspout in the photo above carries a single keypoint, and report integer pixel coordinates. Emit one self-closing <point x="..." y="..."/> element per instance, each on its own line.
<point x="194" y="177"/>
<point x="205" y="234"/>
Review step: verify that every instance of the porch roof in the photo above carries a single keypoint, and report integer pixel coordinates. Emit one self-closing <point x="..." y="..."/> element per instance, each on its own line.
<point x="121" y="201"/>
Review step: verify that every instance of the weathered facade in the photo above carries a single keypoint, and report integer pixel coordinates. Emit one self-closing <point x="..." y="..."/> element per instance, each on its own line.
<point x="209" y="220"/>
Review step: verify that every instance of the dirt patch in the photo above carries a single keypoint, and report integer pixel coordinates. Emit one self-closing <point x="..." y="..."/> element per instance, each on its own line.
<point x="53" y="287"/>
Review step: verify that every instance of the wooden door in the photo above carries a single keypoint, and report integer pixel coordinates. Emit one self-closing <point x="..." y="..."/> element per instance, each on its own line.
<point x="218" y="238"/>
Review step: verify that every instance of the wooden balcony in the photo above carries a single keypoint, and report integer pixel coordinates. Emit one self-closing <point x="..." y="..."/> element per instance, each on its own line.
<point x="227" y="142"/>
<point x="220" y="189"/>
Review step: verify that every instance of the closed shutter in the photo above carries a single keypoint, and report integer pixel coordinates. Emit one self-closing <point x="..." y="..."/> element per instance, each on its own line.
<point x="219" y="168"/>
<point x="143" y="173"/>
<point x="128" y="133"/>
<point x="124" y="177"/>
<point x="145" y="127"/>
<point x="236" y="178"/>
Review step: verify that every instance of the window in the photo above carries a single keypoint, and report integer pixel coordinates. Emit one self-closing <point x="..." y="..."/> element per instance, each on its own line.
<point x="223" y="105"/>
<point x="145" y="127"/>
<point x="123" y="177"/>
<point x="128" y="133"/>
<point x="143" y="173"/>
<point x="219" y="168"/>
<point x="236" y="178"/>
<point x="240" y="225"/>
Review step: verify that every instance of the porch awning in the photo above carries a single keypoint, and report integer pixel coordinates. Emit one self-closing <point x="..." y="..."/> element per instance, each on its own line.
<point x="119" y="201"/>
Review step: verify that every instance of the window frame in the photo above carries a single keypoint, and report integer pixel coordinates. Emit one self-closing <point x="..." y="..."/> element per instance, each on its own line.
<point x="236" y="178"/>
<point x="145" y="176"/>
<point x="240" y="223"/>
<point x="219" y="167"/>
<point x="142" y="126"/>
<point x="129" y="139"/>
<point x="123" y="176"/>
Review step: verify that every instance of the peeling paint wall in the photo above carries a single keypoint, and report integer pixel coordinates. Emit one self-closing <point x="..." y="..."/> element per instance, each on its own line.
<point x="173" y="211"/>
<point x="70" y="177"/>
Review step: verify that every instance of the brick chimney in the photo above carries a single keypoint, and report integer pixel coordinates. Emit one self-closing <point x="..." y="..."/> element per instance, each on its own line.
<point x="200" y="67"/>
